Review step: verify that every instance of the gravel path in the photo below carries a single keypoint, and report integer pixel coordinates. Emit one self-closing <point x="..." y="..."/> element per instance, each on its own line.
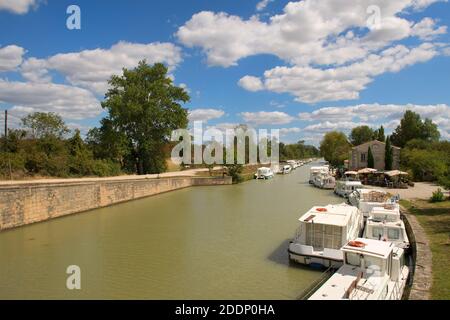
<point x="421" y="190"/>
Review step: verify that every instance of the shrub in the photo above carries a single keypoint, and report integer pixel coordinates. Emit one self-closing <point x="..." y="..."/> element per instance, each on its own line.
<point x="438" y="196"/>
<point x="14" y="162"/>
<point x="105" y="168"/>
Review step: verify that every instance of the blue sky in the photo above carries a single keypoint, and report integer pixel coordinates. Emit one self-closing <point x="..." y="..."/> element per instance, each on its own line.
<point x="304" y="67"/>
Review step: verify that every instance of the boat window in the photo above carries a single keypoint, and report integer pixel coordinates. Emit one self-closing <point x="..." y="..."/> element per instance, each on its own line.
<point x="374" y="264"/>
<point x="377" y="232"/>
<point x="394" y="234"/>
<point x="353" y="259"/>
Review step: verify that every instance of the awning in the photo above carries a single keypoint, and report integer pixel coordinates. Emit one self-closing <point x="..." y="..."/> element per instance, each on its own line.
<point x="395" y="173"/>
<point x="351" y="173"/>
<point x="367" y="170"/>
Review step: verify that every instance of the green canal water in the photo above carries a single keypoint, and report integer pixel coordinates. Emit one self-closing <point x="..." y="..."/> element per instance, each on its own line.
<point x="225" y="242"/>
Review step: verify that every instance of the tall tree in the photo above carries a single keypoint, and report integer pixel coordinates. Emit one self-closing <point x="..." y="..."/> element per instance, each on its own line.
<point x="335" y="147"/>
<point x="388" y="155"/>
<point x="412" y="127"/>
<point x="145" y="106"/>
<point x="360" y="135"/>
<point x="370" y="159"/>
<point x="379" y="134"/>
<point x="41" y="125"/>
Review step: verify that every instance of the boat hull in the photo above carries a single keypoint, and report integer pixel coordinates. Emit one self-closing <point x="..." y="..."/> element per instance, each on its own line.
<point x="314" y="260"/>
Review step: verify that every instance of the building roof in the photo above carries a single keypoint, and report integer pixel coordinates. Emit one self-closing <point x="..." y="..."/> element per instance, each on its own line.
<point x="371" y="143"/>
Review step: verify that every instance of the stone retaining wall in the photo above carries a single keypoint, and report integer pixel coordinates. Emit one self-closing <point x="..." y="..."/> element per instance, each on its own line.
<point x="26" y="203"/>
<point x="422" y="256"/>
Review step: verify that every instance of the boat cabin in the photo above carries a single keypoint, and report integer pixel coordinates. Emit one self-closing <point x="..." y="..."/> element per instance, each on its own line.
<point x="345" y="187"/>
<point x="372" y="270"/>
<point x="322" y="232"/>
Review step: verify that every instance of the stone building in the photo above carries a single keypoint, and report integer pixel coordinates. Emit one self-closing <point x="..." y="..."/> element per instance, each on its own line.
<point x="359" y="156"/>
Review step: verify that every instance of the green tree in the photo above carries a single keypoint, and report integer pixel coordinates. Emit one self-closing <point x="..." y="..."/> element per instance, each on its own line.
<point x="412" y="127"/>
<point x="379" y="134"/>
<point x="335" y="148"/>
<point x="145" y="106"/>
<point x="370" y="159"/>
<point x="107" y="143"/>
<point x="43" y="125"/>
<point x="360" y="135"/>
<point x="388" y="155"/>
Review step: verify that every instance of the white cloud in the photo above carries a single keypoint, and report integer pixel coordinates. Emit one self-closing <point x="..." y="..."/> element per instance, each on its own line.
<point x="287" y="131"/>
<point x="70" y="102"/>
<point x="92" y="69"/>
<point x="260" y="6"/>
<point x="10" y="57"/>
<point x="331" y="52"/>
<point x="251" y="83"/>
<point x="309" y="84"/>
<point x="263" y="117"/>
<point x="426" y="29"/>
<point x="35" y="70"/>
<point x="205" y="114"/>
<point x="374" y="115"/>
<point x="307" y="32"/>
<point x="18" y="6"/>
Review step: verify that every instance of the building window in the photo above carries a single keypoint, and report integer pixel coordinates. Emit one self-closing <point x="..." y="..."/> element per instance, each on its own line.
<point x="363" y="157"/>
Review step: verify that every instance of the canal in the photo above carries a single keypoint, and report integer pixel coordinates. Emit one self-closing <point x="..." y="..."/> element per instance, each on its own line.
<point x="226" y="242"/>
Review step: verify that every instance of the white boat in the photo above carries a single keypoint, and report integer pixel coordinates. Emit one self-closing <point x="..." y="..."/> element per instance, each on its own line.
<point x="324" y="181"/>
<point x="372" y="270"/>
<point x="285" y="169"/>
<point x="385" y="223"/>
<point x="345" y="187"/>
<point x="264" y="173"/>
<point x="293" y="164"/>
<point x="315" y="171"/>
<point x="367" y="199"/>
<point x="322" y="233"/>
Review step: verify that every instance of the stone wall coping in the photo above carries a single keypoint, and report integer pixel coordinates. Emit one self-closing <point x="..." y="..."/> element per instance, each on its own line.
<point x="422" y="277"/>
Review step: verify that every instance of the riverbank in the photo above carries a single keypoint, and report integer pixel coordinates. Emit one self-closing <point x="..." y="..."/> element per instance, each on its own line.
<point x="26" y="202"/>
<point x="434" y="218"/>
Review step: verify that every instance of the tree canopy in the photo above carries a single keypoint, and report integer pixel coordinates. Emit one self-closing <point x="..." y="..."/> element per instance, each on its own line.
<point x="335" y="147"/>
<point x="361" y="134"/>
<point x="413" y="127"/>
<point x="41" y="124"/>
<point x="145" y="106"/>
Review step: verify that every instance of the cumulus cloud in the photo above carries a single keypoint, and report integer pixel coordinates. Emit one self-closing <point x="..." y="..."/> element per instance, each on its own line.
<point x="374" y="115"/>
<point x="260" y="6"/>
<point x="263" y="117"/>
<point x="309" y="84"/>
<point x="10" y="57"/>
<point x="18" y="6"/>
<point x="426" y="29"/>
<point x="91" y="69"/>
<point x="251" y="83"/>
<point x="326" y="39"/>
<point x="287" y="131"/>
<point x="205" y="114"/>
<point x="68" y="101"/>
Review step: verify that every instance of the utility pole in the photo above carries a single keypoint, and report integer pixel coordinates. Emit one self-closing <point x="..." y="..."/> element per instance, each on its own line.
<point x="6" y="130"/>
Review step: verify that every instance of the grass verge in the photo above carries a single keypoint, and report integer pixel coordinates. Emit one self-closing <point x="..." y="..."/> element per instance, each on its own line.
<point x="435" y="219"/>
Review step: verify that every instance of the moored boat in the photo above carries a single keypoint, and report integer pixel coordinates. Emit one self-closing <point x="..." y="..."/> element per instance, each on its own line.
<point x="385" y="223"/>
<point x="264" y="173"/>
<point x="345" y="187"/>
<point x="322" y="233"/>
<point x="372" y="270"/>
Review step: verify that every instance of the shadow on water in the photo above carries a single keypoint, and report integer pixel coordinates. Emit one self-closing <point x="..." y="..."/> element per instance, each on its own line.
<point x="280" y="255"/>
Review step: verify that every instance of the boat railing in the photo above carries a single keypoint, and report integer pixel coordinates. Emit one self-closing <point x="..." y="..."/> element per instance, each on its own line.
<point x="309" y="291"/>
